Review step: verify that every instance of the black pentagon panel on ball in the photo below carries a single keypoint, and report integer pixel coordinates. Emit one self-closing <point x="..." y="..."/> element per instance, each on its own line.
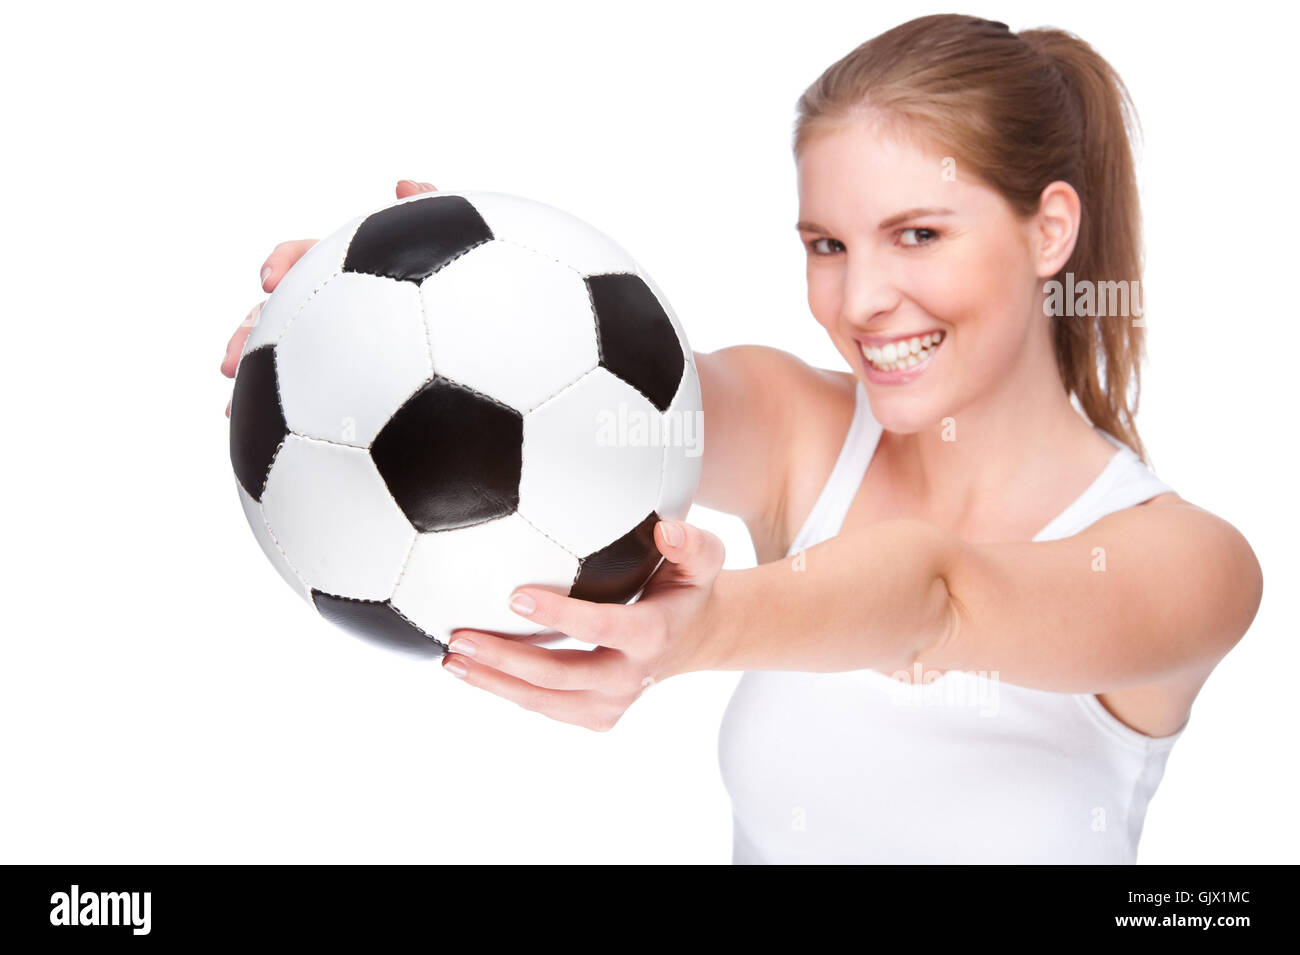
<point x="377" y="621"/>
<point x="616" y="572"/>
<point x="637" y="339"/>
<point x="451" y="456"/>
<point x="412" y="240"/>
<point x="257" y="426"/>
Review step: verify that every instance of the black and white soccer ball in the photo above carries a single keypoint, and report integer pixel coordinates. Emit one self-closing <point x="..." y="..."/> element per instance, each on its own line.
<point x="457" y="395"/>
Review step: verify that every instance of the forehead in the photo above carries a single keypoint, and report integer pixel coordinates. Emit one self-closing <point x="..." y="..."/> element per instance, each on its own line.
<point x="863" y="169"/>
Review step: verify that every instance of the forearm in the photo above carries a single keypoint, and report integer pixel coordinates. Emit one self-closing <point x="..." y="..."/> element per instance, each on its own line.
<point x="873" y="598"/>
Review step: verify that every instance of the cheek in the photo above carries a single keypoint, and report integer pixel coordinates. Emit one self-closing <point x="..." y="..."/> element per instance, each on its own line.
<point x="982" y="298"/>
<point x="823" y="297"/>
<point x="952" y="291"/>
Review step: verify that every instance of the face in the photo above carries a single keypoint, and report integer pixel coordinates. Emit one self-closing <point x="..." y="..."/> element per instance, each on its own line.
<point x="900" y="254"/>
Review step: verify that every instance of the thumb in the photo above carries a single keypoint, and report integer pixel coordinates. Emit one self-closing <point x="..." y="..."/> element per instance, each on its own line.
<point x="696" y="554"/>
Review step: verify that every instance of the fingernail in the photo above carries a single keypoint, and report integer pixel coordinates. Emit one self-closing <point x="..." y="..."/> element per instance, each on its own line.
<point x="455" y="668"/>
<point x="522" y="603"/>
<point x="466" y="648"/>
<point x="408" y="182"/>
<point x="672" y="533"/>
<point x="266" y="273"/>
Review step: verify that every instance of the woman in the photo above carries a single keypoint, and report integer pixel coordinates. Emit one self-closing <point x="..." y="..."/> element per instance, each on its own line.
<point x="979" y="619"/>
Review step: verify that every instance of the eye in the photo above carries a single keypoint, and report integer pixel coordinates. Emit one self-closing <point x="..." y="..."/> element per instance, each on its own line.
<point x="929" y="232"/>
<point x="812" y="246"/>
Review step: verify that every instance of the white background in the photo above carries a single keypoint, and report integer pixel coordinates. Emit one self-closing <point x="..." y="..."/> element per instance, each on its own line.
<point x="163" y="695"/>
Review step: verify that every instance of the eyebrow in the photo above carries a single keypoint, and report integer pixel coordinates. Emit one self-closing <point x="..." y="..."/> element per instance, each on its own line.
<point x="805" y="226"/>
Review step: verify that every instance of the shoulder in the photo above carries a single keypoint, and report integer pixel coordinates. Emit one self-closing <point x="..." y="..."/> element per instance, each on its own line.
<point x="795" y="412"/>
<point x="1159" y="500"/>
<point x="792" y="392"/>
<point x="764" y="408"/>
<point x="774" y="363"/>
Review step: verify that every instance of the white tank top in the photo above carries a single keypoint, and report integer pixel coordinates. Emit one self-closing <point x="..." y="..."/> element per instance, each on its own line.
<point x="857" y="767"/>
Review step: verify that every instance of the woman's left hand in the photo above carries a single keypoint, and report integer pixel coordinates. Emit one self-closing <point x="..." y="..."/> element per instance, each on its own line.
<point x="636" y="645"/>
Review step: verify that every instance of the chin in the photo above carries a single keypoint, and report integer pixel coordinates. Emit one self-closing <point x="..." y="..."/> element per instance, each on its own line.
<point x="904" y="414"/>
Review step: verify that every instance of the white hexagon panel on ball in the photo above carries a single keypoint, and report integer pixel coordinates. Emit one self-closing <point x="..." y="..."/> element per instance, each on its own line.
<point x="331" y="513"/>
<point x="464" y="577"/>
<point x="354" y="353"/>
<point x="510" y="323"/>
<point x="257" y="521"/>
<point x="551" y="232"/>
<point x="590" y="467"/>
<point x="317" y="266"/>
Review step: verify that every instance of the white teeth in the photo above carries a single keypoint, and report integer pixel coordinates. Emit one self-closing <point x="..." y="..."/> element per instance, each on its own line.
<point x="907" y="353"/>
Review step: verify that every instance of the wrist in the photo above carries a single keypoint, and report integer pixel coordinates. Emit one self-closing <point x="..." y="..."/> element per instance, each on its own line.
<point x="712" y="635"/>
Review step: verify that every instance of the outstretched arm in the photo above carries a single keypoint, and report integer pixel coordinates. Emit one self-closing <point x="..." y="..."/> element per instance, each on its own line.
<point x="1143" y="595"/>
<point x="1146" y="594"/>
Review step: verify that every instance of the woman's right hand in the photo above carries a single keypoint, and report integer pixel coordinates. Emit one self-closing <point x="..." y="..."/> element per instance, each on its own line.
<point x="277" y="263"/>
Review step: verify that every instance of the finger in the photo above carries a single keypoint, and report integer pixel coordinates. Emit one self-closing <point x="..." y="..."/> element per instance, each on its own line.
<point x="696" y="554"/>
<point x="606" y="625"/>
<point x="554" y="669"/>
<point x="579" y="707"/>
<point x="280" y="259"/>
<point x="235" y="347"/>
<point x="409" y="187"/>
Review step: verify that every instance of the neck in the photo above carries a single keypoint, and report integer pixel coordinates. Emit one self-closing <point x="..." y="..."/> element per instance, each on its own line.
<point x="994" y="456"/>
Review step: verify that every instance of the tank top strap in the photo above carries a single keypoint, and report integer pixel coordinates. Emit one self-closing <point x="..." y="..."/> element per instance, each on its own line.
<point x="829" y="510"/>
<point x="1126" y="481"/>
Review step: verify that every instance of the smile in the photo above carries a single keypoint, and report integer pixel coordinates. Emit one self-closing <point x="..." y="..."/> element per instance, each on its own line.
<point x="902" y="354"/>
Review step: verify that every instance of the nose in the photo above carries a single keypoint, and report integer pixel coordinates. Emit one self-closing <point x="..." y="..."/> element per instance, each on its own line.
<point x="869" y="291"/>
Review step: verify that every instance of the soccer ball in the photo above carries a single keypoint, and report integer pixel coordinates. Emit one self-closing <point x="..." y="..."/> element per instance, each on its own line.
<point x="457" y="395"/>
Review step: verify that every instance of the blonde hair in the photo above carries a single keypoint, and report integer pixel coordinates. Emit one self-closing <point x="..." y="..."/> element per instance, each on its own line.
<point x="1019" y="111"/>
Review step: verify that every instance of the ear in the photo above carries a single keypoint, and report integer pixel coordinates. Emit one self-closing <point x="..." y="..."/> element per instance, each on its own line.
<point x="1055" y="229"/>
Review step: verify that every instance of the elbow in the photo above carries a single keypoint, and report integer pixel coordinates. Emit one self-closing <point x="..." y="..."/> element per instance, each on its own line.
<point x="1251" y="587"/>
<point x="1236" y="583"/>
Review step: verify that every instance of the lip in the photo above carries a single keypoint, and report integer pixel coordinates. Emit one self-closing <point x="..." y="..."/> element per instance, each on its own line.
<point x="881" y="340"/>
<point x="900" y="376"/>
